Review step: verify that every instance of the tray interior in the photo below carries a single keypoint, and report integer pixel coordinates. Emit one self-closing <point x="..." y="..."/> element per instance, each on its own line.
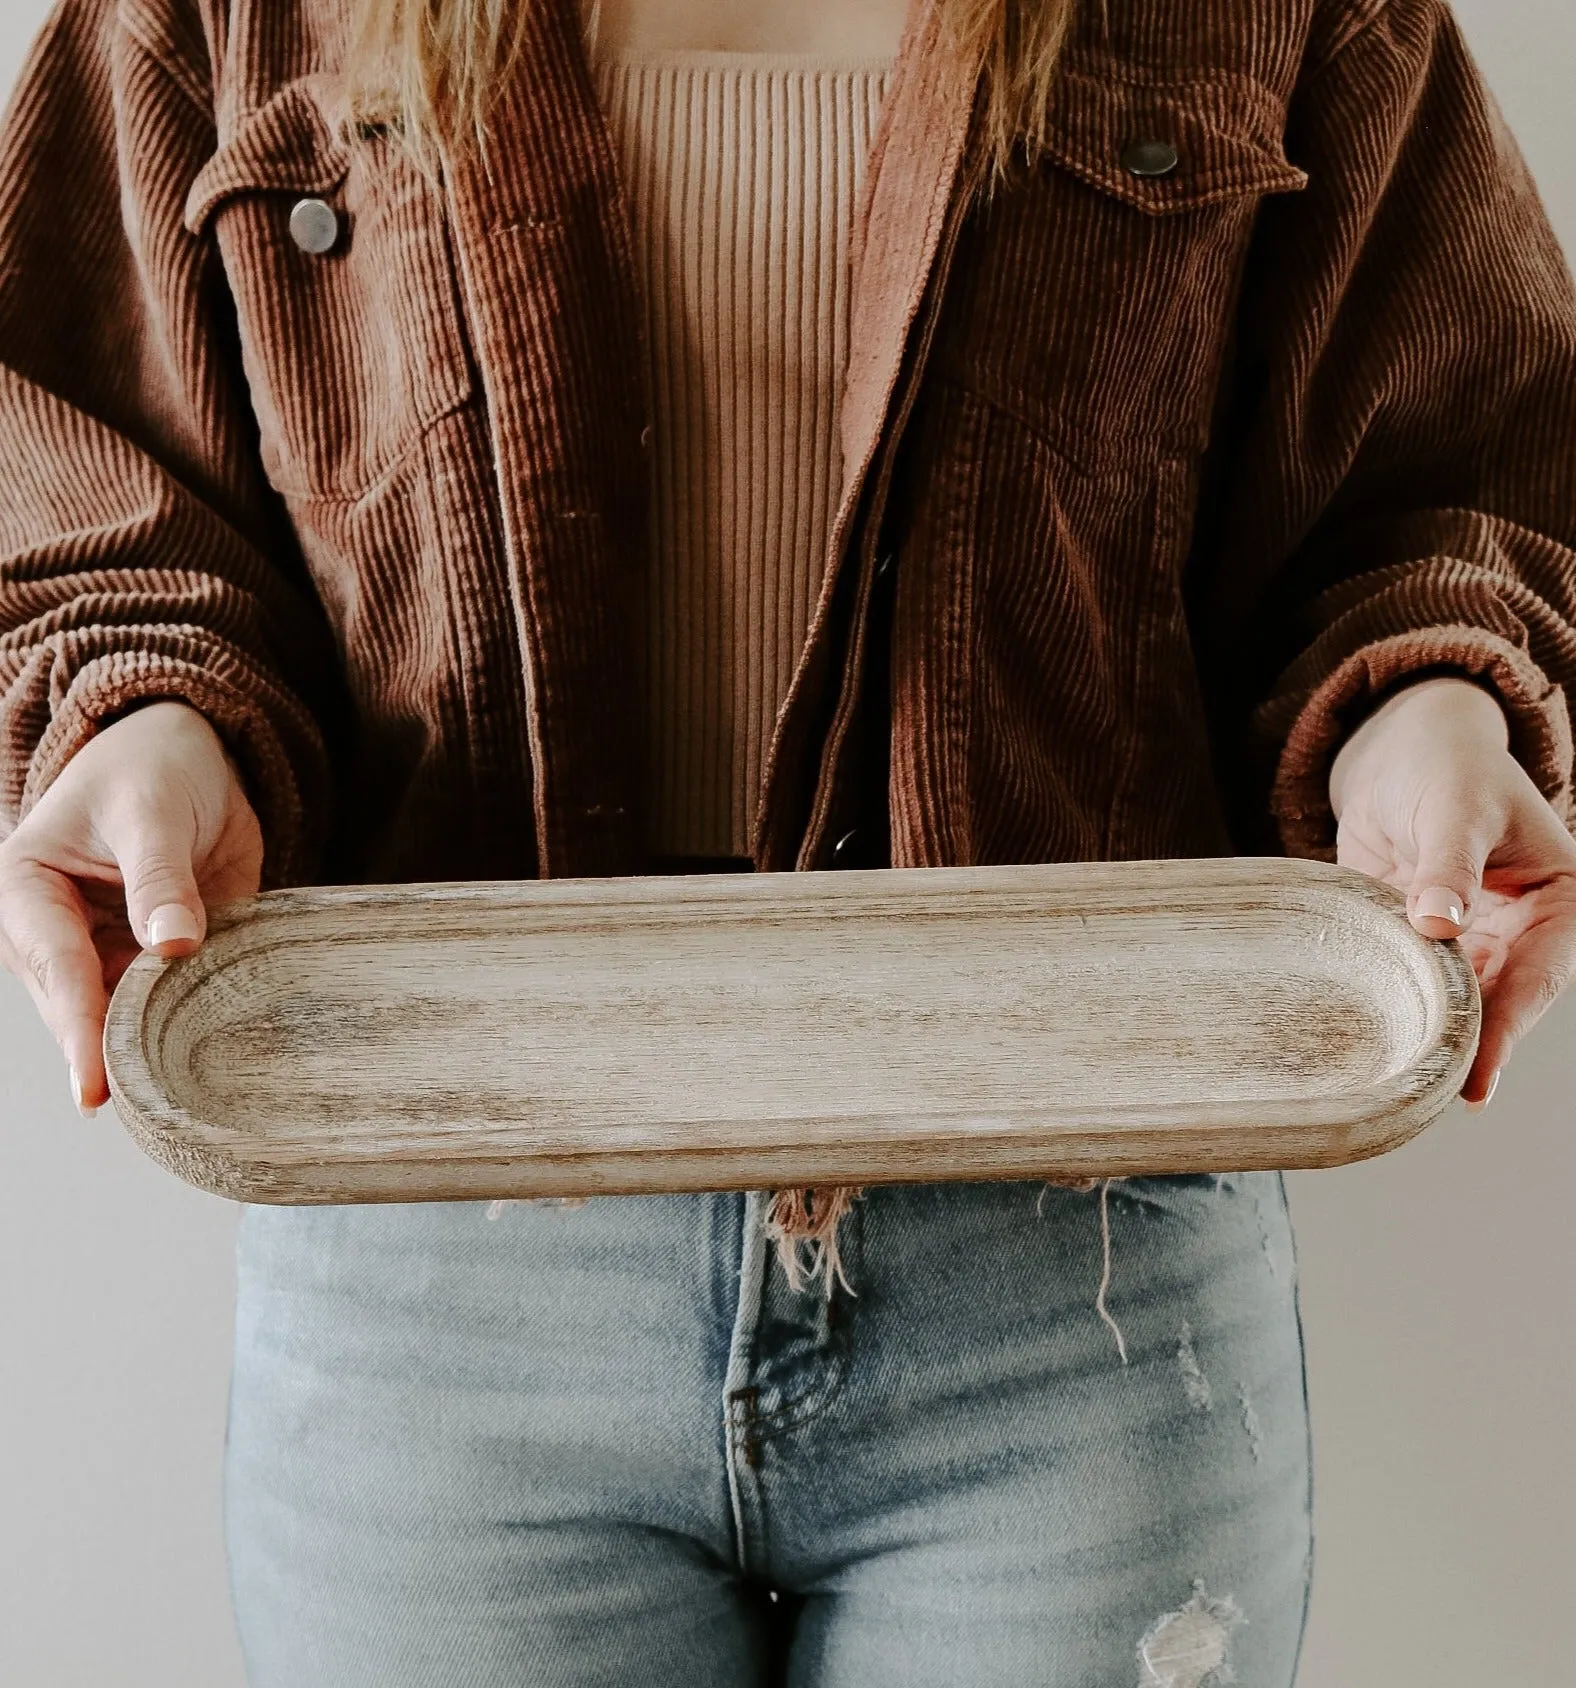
<point x="595" y="1025"/>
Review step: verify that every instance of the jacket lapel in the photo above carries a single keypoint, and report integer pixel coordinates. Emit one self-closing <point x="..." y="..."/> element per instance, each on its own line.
<point x="545" y="263"/>
<point x="913" y="173"/>
<point x="916" y="194"/>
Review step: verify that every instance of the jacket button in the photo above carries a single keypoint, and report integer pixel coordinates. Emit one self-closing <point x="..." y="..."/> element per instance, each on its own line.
<point x="314" y="226"/>
<point x="843" y="849"/>
<point x="1149" y="158"/>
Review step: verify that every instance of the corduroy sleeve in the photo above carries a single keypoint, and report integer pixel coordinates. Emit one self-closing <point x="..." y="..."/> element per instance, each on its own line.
<point x="141" y="553"/>
<point x="1400" y="460"/>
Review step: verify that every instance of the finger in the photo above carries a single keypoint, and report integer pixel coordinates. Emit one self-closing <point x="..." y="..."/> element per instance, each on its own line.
<point x="1483" y="1080"/>
<point x="47" y="940"/>
<point x="1537" y="971"/>
<point x="1453" y="843"/>
<point x="153" y="843"/>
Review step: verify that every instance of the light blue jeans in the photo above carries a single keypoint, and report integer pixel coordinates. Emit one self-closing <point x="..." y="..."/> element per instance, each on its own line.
<point x="608" y="1445"/>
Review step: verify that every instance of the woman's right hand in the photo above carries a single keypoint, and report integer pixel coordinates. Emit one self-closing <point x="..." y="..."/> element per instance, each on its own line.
<point x="145" y="827"/>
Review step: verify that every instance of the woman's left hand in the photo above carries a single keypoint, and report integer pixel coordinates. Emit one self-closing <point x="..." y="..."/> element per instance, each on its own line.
<point x="1429" y="799"/>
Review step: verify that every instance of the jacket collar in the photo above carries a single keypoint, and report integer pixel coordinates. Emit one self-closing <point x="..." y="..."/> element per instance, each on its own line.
<point x="545" y="262"/>
<point x="913" y="179"/>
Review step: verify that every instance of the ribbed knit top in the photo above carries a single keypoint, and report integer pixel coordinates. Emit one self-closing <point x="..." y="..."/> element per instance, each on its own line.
<point x="742" y="173"/>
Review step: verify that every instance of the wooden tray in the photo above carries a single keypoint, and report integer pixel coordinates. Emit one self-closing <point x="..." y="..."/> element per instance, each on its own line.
<point x="734" y="1031"/>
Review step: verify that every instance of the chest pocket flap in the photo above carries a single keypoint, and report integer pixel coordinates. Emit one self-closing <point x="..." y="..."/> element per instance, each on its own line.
<point x="286" y="144"/>
<point x="1225" y="129"/>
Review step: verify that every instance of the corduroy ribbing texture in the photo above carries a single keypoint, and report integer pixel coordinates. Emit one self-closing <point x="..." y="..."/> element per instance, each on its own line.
<point x="1152" y="484"/>
<point x="742" y="173"/>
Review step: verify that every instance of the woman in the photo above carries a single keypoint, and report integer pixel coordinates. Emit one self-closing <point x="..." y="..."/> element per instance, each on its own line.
<point x="453" y="439"/>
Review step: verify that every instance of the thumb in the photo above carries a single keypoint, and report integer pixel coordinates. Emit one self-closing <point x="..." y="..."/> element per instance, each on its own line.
<point x="153" y="843"/>
<point x="1452" y="848"/>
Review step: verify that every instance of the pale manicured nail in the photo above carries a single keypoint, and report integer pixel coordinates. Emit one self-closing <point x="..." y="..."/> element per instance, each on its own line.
<point x="1493" y="1085"/>
<point x="76" y="1096"/>
<point x="172" y="921"/>
<point x="1439" y="904"/>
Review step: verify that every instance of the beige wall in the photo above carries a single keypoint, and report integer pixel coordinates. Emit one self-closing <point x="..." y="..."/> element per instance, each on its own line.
<point x="1436" y="1286"/>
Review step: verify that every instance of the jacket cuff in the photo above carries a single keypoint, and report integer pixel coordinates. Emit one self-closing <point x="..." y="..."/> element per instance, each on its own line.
<point x="1535" y="709"/>
<point x="274" y="743"/>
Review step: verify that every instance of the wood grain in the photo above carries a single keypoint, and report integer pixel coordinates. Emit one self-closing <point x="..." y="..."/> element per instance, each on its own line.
<point x="468" y="1041"/>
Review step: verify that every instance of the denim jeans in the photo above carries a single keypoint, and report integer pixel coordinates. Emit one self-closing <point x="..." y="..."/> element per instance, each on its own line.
<point x="608" y="1445"/>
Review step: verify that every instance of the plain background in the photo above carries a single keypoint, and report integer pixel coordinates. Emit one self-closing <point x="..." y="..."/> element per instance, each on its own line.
<point x="1435" y="1294"/>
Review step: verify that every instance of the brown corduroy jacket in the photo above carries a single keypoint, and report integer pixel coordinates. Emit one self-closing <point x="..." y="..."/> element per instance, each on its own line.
<point x="1153" y="484"/>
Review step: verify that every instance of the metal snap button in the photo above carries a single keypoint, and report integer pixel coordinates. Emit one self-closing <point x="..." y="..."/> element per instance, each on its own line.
<point x="842" y="850"/>
<point x="314" y="226"/>
<point x="1149" y="158"/>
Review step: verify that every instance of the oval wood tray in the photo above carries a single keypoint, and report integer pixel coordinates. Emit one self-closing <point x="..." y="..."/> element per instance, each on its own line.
<point x="731" y="1031"/>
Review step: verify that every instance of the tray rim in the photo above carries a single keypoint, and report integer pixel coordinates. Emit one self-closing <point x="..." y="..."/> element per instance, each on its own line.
<point x="1066" y="1143"/>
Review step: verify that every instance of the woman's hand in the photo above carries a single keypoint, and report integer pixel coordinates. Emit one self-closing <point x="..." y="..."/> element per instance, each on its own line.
<point x="147" y="824"/>
<point x="1430" y="800"/>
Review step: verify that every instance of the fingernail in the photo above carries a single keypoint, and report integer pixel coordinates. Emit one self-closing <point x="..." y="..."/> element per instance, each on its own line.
<point x="1439" y="904"/>
<point x="173" y="920"/>
<point x="1493" y="1085"/>
<point x="76" y="1095"/>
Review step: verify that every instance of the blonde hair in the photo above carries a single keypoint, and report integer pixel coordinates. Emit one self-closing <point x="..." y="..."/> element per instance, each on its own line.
<point x="433" y="67"/>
